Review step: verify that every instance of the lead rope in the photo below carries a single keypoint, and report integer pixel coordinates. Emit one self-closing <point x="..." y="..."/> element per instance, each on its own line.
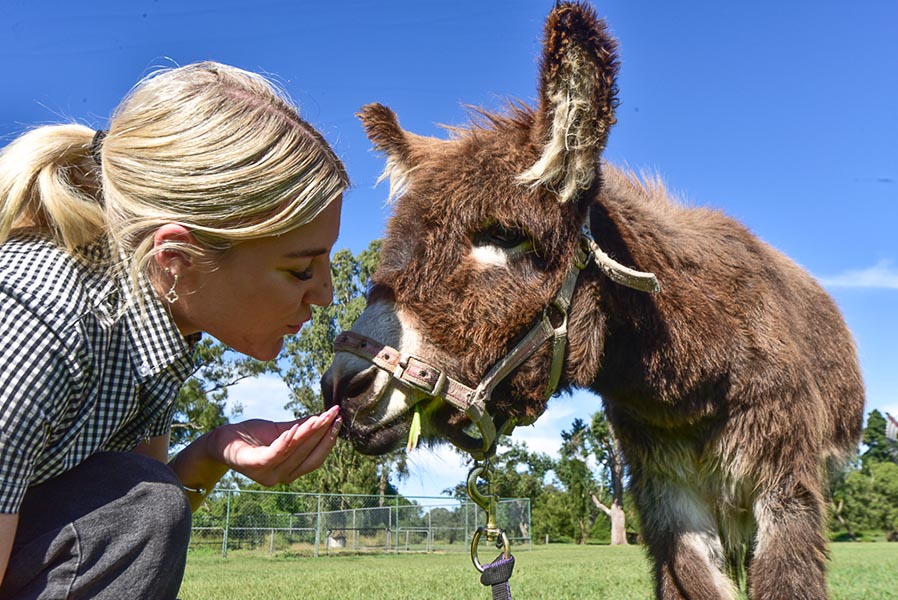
<point x="497" y="573"/>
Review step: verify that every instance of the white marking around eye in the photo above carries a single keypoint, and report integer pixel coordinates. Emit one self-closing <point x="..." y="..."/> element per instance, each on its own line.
<point x="490" y="256"/>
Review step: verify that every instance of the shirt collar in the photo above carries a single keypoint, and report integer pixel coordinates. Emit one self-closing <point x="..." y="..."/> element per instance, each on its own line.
<point x="155" y="341"/>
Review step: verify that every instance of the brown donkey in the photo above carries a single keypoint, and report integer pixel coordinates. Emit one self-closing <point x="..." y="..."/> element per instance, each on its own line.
<point x="733" y="389"/>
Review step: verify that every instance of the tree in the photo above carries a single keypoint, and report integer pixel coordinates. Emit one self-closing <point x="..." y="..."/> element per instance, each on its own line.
<point x="606" y="450"/>
<point x="869" y="497"/>
<point x="865" y="493"/>
<point x="307" y="356"/>
<point x="601" y="488"/>
<point x="574" y="473"/>
<point x="552" y="518"/>
<point x="202" y="400"/>
<point x="518" y="473"/>
<point x="879" y="447"/>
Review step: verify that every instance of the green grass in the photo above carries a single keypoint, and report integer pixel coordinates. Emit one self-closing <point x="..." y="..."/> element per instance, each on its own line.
<point x="554" y="572"/>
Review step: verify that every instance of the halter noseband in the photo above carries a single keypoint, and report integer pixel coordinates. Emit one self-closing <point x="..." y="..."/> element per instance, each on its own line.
<point x="432" y="381"/>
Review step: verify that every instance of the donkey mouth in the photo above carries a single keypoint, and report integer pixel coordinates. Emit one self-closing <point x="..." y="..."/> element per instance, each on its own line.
<point x="377" y="440"/>
<point x="382" y="437"/>
<point x="365" y="425"/>
<point x="370" y="428"/>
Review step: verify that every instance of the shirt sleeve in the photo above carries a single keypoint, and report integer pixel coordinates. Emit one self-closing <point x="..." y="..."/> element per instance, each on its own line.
<point x="36" y="381"/>
<point x="162" y="420"/>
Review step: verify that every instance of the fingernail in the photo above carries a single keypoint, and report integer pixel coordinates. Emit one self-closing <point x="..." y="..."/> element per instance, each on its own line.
<point x="335" y="427"/>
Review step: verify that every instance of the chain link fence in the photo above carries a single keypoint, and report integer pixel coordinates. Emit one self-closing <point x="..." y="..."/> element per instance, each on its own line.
<point x="325" y="524"/>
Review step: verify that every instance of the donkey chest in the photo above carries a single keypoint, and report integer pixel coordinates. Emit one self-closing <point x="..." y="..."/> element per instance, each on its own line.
<point x="707" y="483"/>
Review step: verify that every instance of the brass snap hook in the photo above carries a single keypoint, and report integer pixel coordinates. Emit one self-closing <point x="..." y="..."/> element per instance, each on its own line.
<point x="479" y="499"/>
<point x="502" y="544"/>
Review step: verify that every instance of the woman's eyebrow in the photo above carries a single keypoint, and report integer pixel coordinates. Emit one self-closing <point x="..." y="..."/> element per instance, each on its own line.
<point x="306" y="253"/>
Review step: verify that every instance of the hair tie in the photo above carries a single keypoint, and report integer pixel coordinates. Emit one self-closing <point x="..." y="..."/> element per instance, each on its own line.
<point x="96" y="145"/>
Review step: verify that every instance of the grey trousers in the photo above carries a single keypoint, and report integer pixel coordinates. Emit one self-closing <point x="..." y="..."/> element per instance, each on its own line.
<point x="117" y="526"/>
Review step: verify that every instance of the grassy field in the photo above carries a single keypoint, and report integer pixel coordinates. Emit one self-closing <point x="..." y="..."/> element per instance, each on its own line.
<point x="556" y="572"/>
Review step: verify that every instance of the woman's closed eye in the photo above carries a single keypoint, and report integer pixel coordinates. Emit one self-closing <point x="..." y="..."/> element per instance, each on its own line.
<point x="302" y="275"/>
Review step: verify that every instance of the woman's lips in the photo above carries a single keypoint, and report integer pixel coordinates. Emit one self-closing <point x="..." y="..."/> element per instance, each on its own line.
<point x="294" y="329"/>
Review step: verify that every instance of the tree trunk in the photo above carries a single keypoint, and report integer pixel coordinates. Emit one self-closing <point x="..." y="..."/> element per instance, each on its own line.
<point x="382" y="485"/>
<point x="837" y="512"/>
<point x="618" y="520"/>
<point x="618" y="525"/>
<point x="618" y="517"/>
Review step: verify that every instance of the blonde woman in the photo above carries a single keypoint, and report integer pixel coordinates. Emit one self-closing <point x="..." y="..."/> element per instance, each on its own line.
<point x="209" y="206"/>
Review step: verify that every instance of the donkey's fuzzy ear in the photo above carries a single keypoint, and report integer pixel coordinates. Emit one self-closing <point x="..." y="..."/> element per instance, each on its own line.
<point x="382" y="128"/>
<point x="578" y="92"/>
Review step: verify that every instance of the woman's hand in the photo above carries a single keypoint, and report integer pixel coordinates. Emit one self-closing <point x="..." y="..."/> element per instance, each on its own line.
<point x="277" y="452"/>
<point x="265" y="451"/>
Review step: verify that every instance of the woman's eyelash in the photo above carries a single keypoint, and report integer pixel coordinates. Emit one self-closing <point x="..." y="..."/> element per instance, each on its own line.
<point x="302" y="275"/>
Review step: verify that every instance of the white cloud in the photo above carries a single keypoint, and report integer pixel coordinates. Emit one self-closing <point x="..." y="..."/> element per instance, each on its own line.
<point x="880" y="275"/>
<point x="261" y="397"/>
<point x="432" y="470"/>
<point x="545" y="435"/>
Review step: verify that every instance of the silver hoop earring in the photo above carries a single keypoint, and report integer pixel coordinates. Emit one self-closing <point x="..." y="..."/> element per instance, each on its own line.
<point x="171" y="295"/>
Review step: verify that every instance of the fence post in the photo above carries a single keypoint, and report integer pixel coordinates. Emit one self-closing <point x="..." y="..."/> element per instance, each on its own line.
<point x="430" y="529"/>
<point x="529" y="528"/>
<point x="227" y="525"/>
<point x="355" y="531"/>
<point x="467" y="524"/>
<point x="389" y="529"/>
<point x="318" y="527"/>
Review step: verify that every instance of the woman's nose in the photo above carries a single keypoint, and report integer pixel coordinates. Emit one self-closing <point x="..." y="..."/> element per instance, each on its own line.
<point x="321" y="293"/>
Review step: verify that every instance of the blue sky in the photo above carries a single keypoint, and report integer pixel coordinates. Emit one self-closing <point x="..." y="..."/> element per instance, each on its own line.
<point x="782" y="114"/>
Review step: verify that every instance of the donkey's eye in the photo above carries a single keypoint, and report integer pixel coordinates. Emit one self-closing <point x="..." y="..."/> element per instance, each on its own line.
<point x="503" y="237"/>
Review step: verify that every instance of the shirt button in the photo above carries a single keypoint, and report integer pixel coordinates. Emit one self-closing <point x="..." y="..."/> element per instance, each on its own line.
<point x="143" y="370"/>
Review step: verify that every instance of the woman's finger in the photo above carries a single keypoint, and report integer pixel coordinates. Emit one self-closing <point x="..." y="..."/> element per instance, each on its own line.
<point x="316" y="457"/>
<point x="250" y="455"/>
<point x="303" y="441"/>
<point x="282" y="443"/>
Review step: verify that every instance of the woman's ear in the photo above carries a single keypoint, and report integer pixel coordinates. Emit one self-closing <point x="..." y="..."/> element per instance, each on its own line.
<point x="168" y="243"/>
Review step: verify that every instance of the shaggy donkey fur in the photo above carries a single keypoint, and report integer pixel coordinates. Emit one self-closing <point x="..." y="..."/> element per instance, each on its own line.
<point x="733" y="391"/>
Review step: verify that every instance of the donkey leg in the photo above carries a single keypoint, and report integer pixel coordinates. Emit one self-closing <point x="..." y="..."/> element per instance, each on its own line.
<point x="789" y="558"/>
<point x="683" y="541"/>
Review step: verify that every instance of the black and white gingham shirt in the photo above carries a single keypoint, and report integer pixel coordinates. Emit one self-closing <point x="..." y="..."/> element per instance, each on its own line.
<point x="83" y="367"/>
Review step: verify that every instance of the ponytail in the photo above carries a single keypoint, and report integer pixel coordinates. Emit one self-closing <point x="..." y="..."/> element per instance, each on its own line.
<point x="48" y="183"/>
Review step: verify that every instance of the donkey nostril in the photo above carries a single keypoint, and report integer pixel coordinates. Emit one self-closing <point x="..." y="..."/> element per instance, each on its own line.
<point x="360" y="383"/>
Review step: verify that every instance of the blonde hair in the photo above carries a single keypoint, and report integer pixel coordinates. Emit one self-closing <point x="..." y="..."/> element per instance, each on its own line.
<point x="211" y="147"/>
